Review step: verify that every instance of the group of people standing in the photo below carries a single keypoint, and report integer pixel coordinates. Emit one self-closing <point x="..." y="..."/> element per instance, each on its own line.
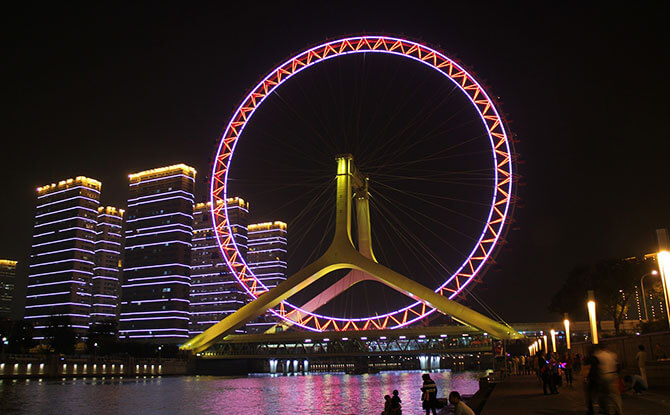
<point x="550" y="369"/>
<point x="429" y="400"/>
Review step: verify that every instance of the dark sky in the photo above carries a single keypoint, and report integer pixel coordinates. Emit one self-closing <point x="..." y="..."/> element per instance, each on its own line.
<point x="108" y="89"/>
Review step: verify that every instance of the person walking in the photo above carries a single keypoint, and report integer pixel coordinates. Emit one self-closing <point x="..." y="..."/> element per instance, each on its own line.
<point x="429" y="394"/>
<point x="641" y="359"/>
<point x="460" y="408"/>
<point x="569" y="364"/>
<point x="547" y="378"/>
<point x="608" y="390"/>
<point x="591" y="380"/>
<point x="577" y="368"/>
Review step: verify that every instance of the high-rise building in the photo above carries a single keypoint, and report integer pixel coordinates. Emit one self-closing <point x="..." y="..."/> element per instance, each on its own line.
<point x="62" y="256"/>
<point x="157" y="255"/>
<point x="215" y="293"/>
<point x="107" y="279"/>
<point x="266" y="257"/>
<point x="7" y="282"/>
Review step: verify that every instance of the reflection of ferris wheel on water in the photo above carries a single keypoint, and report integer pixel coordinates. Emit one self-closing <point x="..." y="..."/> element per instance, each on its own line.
<point x="488" y="209"/>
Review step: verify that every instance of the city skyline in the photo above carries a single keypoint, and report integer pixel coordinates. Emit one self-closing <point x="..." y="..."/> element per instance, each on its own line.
<point x="590" y="191"/>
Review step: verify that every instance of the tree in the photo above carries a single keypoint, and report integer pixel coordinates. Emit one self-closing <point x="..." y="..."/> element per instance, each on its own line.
<point x="612" y="281"/>
<point x="21" y="337"/>
<point x="104" y="335"/>
<point x="61" y="335"/>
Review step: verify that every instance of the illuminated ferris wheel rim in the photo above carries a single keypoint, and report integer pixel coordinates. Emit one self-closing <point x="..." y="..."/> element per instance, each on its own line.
<point x="500" y="200"/>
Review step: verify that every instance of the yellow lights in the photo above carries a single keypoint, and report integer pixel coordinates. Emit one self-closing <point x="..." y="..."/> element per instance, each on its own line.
<point x="8" y="262"/>
<point x="86" y="181"/>
<point x="546" y="349"/>
<point x="231" y="201"/>
<point x="553" y="340"/>
<point x="663" y="259"/>
<point x="111" y="210"/>
<point x="566" y="324"/>
<point x="591" y="306"/>
<point x="188" y="170"/>
<point x="266" y="226"/>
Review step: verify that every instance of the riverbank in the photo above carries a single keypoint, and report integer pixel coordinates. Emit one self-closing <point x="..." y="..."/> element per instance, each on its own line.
<point x="55" y="366"/>
<point x="523" y="395"/>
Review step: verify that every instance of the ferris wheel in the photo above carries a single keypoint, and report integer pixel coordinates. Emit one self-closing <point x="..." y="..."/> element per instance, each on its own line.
<point x="494" y="178"/>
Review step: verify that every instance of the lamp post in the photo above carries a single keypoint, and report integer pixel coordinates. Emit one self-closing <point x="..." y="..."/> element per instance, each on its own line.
<point x="566" y="324"/>
<point x="663" y="259"/>
<point x="591" y="306"/>
<point x="553" y="340"/>
<point x="644" y="296"/>
<point x="546" y="348"/>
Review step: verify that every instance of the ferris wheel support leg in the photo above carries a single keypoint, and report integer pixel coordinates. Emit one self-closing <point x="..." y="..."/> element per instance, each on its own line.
<point x="353" y="277"/>
<point x="263" y="302"/>
<point x="432" y="299"/>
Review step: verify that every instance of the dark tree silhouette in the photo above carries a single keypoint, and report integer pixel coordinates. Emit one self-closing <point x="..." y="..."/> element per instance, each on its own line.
<point x="612" y="281"/>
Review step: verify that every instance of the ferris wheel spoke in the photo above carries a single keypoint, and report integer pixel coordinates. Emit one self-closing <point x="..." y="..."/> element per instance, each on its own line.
<point x="425" y="227"/>
<point x="425" y="255"/>
<point x="402" y="192"/>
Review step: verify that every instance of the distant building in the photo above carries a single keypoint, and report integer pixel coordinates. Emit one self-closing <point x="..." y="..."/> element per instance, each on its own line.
<point x="266" y="257"/>
<point x="7" y="282"/>
<point x="62" y="256"/>
<point x="157" y="264"/>
<point x="648" y="292"/>
<point x="215" y="293"/>
<point x="107" y="279"/>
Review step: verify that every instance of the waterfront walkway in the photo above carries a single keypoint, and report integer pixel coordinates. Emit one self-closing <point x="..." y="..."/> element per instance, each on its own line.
<point x="523" y="395"/>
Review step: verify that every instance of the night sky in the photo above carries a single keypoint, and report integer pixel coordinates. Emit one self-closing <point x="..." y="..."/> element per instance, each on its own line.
<point x="106" y="90"/>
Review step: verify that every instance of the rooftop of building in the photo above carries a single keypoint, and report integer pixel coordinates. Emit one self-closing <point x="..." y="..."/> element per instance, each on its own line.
<point x="8" y="262"/>
<point x="63" y="184"/>
<point x="267" y="226"/>
<point x="160" y="171"/>
<point x="110" y="210"/>
<point x="231" y="201"/>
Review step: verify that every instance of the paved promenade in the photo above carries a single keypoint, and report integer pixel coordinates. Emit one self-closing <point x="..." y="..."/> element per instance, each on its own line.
<point x="523" y="395"/>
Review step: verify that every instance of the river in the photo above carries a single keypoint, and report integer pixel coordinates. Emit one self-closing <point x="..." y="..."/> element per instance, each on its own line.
<point x="257" y="394"/>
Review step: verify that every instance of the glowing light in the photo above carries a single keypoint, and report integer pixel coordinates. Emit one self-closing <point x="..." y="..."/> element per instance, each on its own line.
<point x="553" y="340"/>
<point x="188" y="199"/>
<point x="160" y="170"/>
<point x="89" y="184"/>
<point x="663" y="259"/>
<point x="591" y="306"/>
<point x="500" y="151"/>
<point x="65" y="210"/>
<point x="566" y="324"/>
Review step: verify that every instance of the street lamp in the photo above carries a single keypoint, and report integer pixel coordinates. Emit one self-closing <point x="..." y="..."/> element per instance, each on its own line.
<point x="566" y="323"/>
<point x="591" y="305"/>
<point x="644" y="296"/>
<point x="546" y="349"/>
<point x="553" y="340"/>
<point x="663" y="259"/>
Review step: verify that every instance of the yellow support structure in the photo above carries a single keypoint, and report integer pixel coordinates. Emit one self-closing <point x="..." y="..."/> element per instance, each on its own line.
<point x="341" y="254"/>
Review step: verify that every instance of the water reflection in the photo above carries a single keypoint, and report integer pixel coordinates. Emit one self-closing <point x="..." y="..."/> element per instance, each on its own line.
<point x="318" y="393"/>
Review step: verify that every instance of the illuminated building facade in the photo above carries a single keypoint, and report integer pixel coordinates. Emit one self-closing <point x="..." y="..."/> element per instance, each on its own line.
<point x="157" y="263"/>
<point x="266" y="257"/>
<point x="7" y="283"/>
<point x="215" y="293"/>
<point x="648" y="293"/>
<point x="62" y="256"/>
<point x="107" y="271"/>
